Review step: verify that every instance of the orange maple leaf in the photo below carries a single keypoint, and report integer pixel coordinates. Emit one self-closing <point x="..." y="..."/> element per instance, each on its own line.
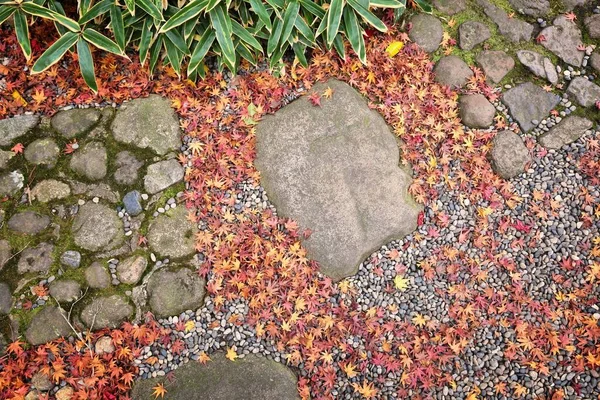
<point x="159" y="390"/>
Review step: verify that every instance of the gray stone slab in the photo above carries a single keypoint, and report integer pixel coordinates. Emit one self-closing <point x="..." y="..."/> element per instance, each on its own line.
<point x="528" y="102"/>
<point x="15" y="127"/>
<point x="562" y="38"/>
<point x="566" y="131"/>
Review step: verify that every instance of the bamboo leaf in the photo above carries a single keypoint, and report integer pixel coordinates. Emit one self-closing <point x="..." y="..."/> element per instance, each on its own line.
<point x="22" y="31"/>
<point x="54" y="53"/>
<point x="223" y="30"/>
<point x="116" y="21"/>
<point x="334" y="18"/>
<point x="192" y="10"/>
<point x="102" y="42"/>
<point x="86" y="64"/>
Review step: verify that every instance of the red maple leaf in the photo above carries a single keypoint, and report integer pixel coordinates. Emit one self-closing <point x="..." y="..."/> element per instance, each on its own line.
<point x="315" y="99"/>
<point x="540" y="38"/>
<point x="17" y="148"/>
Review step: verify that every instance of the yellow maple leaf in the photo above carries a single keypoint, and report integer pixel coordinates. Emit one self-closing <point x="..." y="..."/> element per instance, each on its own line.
<point x="159" y="390"/>
<point x="189" y="326"/>
<point x="17" y="96"/>
<point x="419" y="320"/>
<point x="39" y="96"/>
<point x="231" y="354"/>
<point x="394" y="48"/>
<point x="349" y="369"/>
<point x="367" y="390"/>
<point x="401" y="283"/>
<point x="203" y="358"/>
<point x="328" y="93"/>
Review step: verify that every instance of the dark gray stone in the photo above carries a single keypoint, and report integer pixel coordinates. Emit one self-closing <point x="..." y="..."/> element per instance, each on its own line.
<point x="28" y="222"/>
<point x="533" y="61"/>
<point x="514" y="29"/>
<point x="450" y="7"/>
<point x="528" y="102"/>
<point x="101" y="190"/>
<point x="334" y="169"/>
<point x="562" y="38"/>
<point x="585" y="91"/>
<point x="476" y="111"/>
<point x="6" y="300"/>
<point x="472" y="33"/>
<point x="426" y="31"/>
<point x="97" y="227"/>
<point x="172" y="235"/>
<point x="11" y="183"/>
<point x="250" y="378"/>
<point x="534" y="8"/>
<point x="148" y="123"/>
<point x="36" y="259"/>
<point x="106" y="312"/>
<point x="509" y="154"/>
<point x="566" y="131"/>
<point x="48" y="324"/>
<point x="130" y="270"/>
<point x="571" y="4"/>
<point x="452" y="71"/>
<point x="71" y="259"/>
<point x="162" y="174"/>
<point x="595" y="61"/>
<point x="127" y="168"/>
<point x="172" y="293"/>
<point x="495" y="64"/>
<point x="65" y="291"/>
<point x="50" y="190"/>
<point x="73" y="123"/>
<point x="5" y="253"/>
<point x="132" y="203"/>
<point x="5" y="157"/>
<point x="592" y="24"/>
<point x="42" y="152"/>
<point x="15" y="127"/>
<point x="90" y="161"/>
<point x="96" y="276"/>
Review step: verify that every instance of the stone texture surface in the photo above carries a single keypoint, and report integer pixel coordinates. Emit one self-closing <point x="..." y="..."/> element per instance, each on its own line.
<point x="97" y="227"/>
<point x="5" y="157"/>
<point x="6" y="299"/>
<point x="472" y="33"/>
<point x="426" y="31"/>
<point x="42" y="152"/>
<point x="571" y="4"/>
<point x="42" y="382"/>
<point x="566" y="131"/>
<point x="49" y="190"/>
<point x="162" y="174"/>
<point x="509" y="155"/>
<point x="595" y="60"/>
<point x="562" y="38"/>
<point x="15" y="127"/>
<point x="90" y="161"/>
<point x="496" y="64"/>
<point x="534" y="8"/>
<point x="106" y="312"/>
<point x="452" y="71"/>
<point x="48" y="324"/>
<point x="592" y="24"/>
<point x="132" y="203"/>
<point x="104" y="345"/>
<point x="538" y="64"/>
<point x="250" y="378"/>
<point x="148" y="123"/>
<point x="96" y="276"/>
<point x="28" y="222"/>
<point x="11" y="183"/>
<point x="476" y="111"/>
<point x="65" y="290"/>
<point x="528" y="102"/>
<point x="36" y="259"/>
<point x="71" y="259"/>
<point x="171" y="293"/>
<point x="130" y="270"/>
<point x="5" y="252"/>
<point x="514" y="29"/>
<point x="585" y="92"/>
<point x="450" y="7"/>
<point x="127" y="168"/>
<point x="334" y="169"/>
<point x="74" y="122"/>
<point x="172" y="234"/>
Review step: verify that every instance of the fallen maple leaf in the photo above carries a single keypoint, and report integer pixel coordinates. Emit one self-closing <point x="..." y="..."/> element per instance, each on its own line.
<point x="571" y="16"/>
<point x="540" y="38"/>
<point x="394" y="48"/>
<point x="231" y="354"/>
<point x="17" y="148"/>
<point x="315" y="99"/>
<point x="401" y="283"/>
<point x="328" y="93"/>
<point x="71" y="147"/>
<point x="39" y="96"/>
<point x="159" y="390"/>
<point x="189" y="326"/>
<point x="367" y="390"/>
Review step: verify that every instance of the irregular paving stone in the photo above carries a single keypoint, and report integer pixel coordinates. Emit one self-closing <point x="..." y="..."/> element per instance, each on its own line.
<point x="74" y="122"/>
<point x="130" y="270"/>
<point x="571" y="4"/>
<point x="495" y="64"/>
<point x="5" y="157"/>
<point x="71" y="258"/>
<point x="5" y="253"/>
<point x="172" y="235"/>
<point x="592" y="24"/>
<point x="172" y="293"/>
<point x="534" y="8"/>
<point x="585" y="91"/>
<point x="65" y="290"/>
<point x="426" y="31"/>
<point x="538" y="64"/>
<point x="96" y="276"/>
<point x="334" y="169"/>
<point x="36" y="259"/>
<point x="595" y="60"/>
<point x="65" y="393"/>
<point x="40" y="381"/>
<point x="104" y="345"/>
<point x="450" y="7"/>
<point x="106" y="312"/>
<point x="509" y="154"/>
<point x="132" y="203"/>
<point x="11" y="183"/>
<point x="566" y="131"/>
<point x="48" y="324"/>
<point x="513" y="29"/>
<point x="90" y="161"/>
<point x="42" y="152"/>
<point x="162" y="174"/>
<point x="476" y="111"/>
<point x="49" y="190"/>
<point x="12" y="128"/>
<point x="472" y="33"/>
<point x="528" y="102"/>
<point x="250" y="378"/>
<point x="148" y="123"/>
<point x="97" y="227"/>
<point x="452" y="71"/>
<point x="562" y="38"/>
<point x="6" y="299"/>
<point x="127" y="168"/>
<point x="28" y="222"/>
<point x="101" y="190"/>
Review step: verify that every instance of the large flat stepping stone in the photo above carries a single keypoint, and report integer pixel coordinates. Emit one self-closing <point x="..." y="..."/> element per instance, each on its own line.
<point x="249" y="378"/>
<point x="172" y="235"/>
<point x="426" y="31"/>
<point x="11" y="183"/>
<point x="36" y="259"/>
<point x="74" y="122"/>
<point x="452" y="71"/>
<point x="538" y="64"/>
<point x="534" y="8"/>
<point x="509" y="155"/>
<point x="97" y="227"/>
<point x="163" y="174"/>
<point x="171" y="293"/>
<point x="450" y="7"/>
<point x="472" y="33"/>
<point x="586" y="92"/>
<point x="496" y="64"/>
<point x="334" y="169"/>
<point x="90" y="161"/>
<point x="42" y="152"/>
<point x="15" y="127"/>
<point x="28" y="222"/>
<point x="592" y="24"/>
<point x="562" y="38"/>
<point x="106" y="312"/>
<point x="528" y="102"/>
<point x="148" y="123"/>
<point x="48" y="324"/>
<point x="566" y="131"/>
<point x="514" y="29"/>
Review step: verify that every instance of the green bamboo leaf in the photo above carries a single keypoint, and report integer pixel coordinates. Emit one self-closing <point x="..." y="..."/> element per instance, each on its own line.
<point x="145" y="40"/>
<point x="178" y="41"/>
<point x="334" y="18"/>
<point x="222" y="25"/>
<point x="424" y="5"/>
<point x="260" y="10"/>
<point x="245" y="52"/>
<point x="212" y="4"/>
<point x="116" y="21"/>
<point x="305" y="30"/>
<point x="188" y="29"/>
<point x="150" y="8"/>
<point x="313" y="8"/>
<point x="130" y="4"/>
<point x="55" y="6"/>
<point x="201" y="49"/>
<point x="367" y="15"/>
<point x="386" y="4"/>
<point x="54" y="53"/>
<point x="300" y="52"/>
<point x="84" y="6"/>
<point x="289" y="20"/>
<point x="274" y="38"/>
<point x="190" y="11"/>
<point x="86" y="64"/>
<point x="323" y="25"/>
<point x="102" y="42"/>
<point x="338" y="43"/>
<point x="22" y="31"/>
<point x="155" y="53"/>
<point x="43" y="12"/>
<point x="174" y="56"/>
<point x="6" y="12"/>
<point x="354" y="33"/>
<point x="245" y="36"/>
<point x="245" y="16"/>
<point x="97" y="9"/>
